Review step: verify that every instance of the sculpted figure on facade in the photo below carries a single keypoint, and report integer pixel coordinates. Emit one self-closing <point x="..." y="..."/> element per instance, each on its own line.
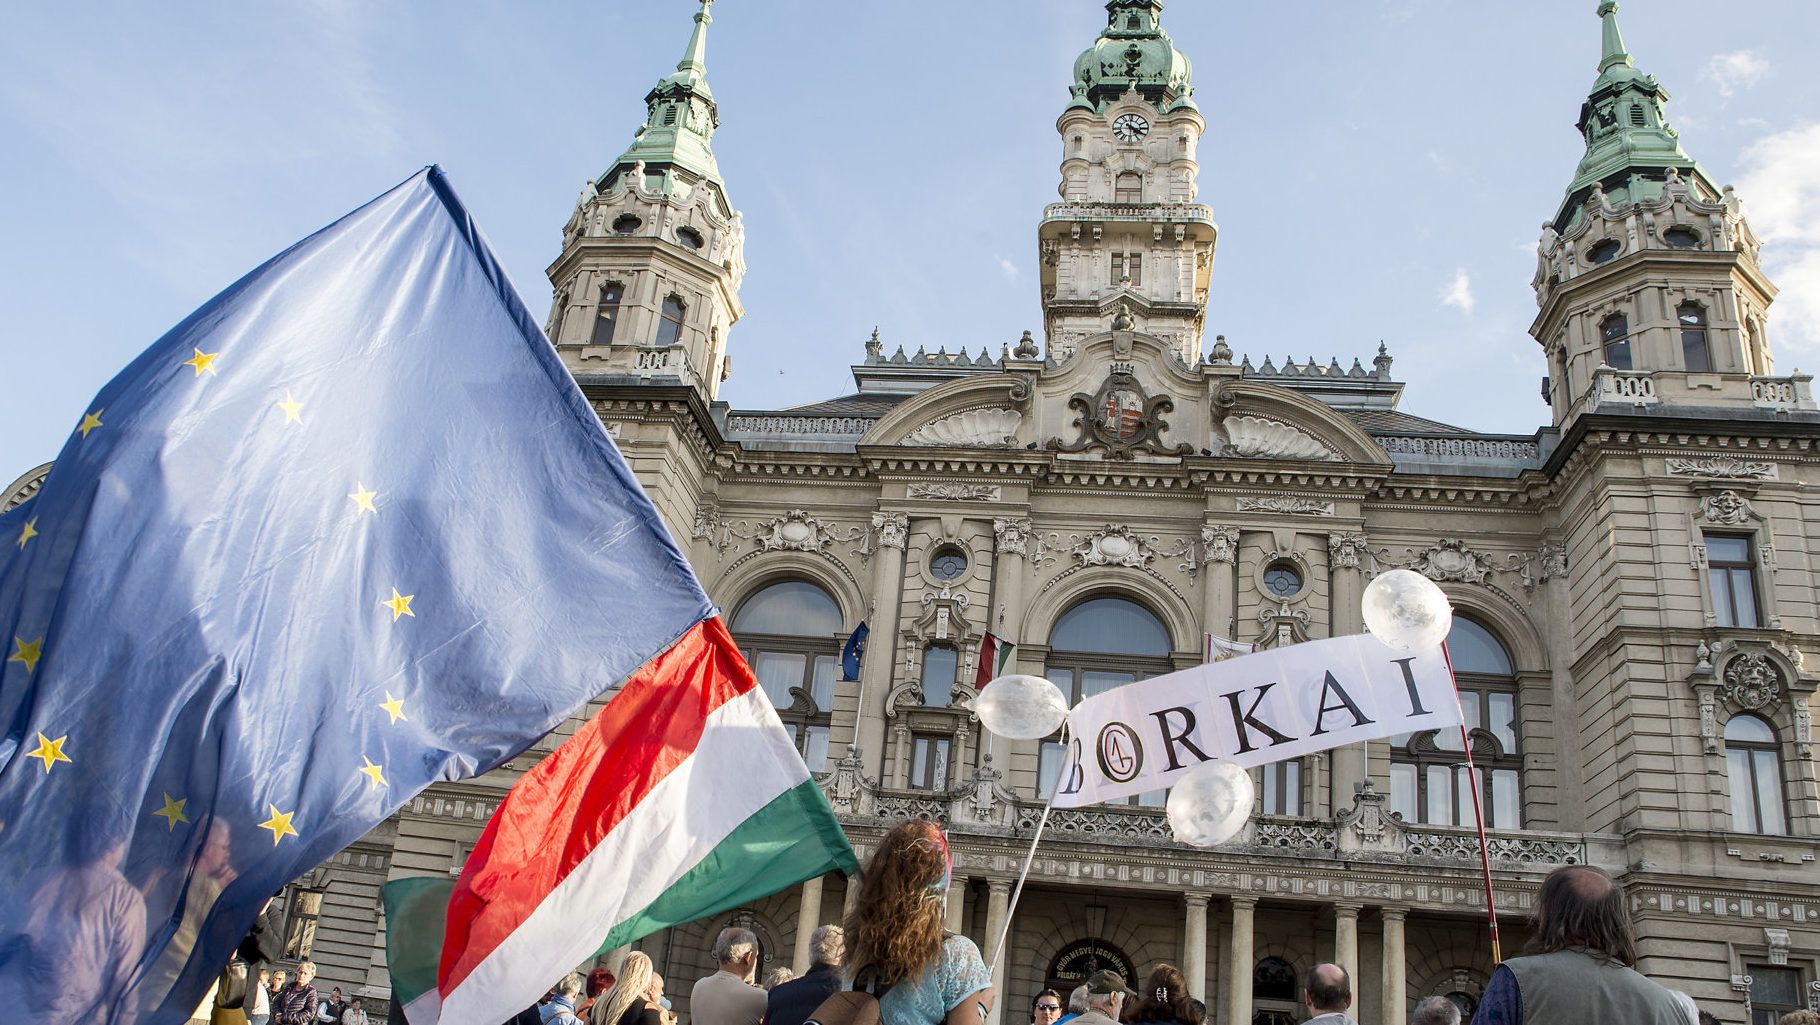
<point x="1347" y="550"/>
<point x="1012" y="534"/>
<point x="1751" y="682"/>
<point x="891" y="528"/>
<point x="1726" y="507"/>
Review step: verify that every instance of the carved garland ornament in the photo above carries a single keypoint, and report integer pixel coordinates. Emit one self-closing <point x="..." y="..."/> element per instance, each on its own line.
<point x="954" y="491"/>
<point x="1120" y="418"/>
<point x="1114" y="546"/>
<point x="1722" y="466"/>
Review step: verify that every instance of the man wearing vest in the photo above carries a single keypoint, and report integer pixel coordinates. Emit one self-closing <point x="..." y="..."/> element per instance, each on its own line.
<point x="1580" y="971"/>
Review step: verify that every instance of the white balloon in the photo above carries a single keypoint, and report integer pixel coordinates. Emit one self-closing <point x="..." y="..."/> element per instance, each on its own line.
<point x="1209" y="805"/>
<point x="1405" y="610"/>
<point x="1021" y="707"/>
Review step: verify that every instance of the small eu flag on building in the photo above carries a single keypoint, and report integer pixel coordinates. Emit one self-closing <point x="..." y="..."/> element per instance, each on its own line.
<point x="854" y="652"/>
<point x="347" y="530"/>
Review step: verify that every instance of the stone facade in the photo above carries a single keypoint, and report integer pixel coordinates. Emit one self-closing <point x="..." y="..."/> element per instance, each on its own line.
<point x="1641" y="565"/>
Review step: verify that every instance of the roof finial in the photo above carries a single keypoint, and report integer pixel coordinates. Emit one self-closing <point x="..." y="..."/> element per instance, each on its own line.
<point x="1612" y="44"/>
<point x="695" y="58"/>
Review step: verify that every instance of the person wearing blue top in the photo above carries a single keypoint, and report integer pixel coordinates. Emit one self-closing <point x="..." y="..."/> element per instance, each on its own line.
<point x="897" y="949"/>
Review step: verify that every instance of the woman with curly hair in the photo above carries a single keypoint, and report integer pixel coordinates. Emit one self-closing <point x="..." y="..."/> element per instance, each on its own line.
<point x="1165" y="999"/>
<point x="897" y="949"/>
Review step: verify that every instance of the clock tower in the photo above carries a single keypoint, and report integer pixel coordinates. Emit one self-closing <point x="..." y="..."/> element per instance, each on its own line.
<point x="1128" y="243"/>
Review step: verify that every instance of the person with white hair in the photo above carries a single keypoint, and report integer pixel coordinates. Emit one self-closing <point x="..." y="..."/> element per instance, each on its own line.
<point x="1077" y="1004"/>
<point x="561" y="1008"/>
<point x="728" y="997"/>
<point x="792" y="1002"/>
<point x="1436" y="1011"/>
<point x="1107" y="997"/>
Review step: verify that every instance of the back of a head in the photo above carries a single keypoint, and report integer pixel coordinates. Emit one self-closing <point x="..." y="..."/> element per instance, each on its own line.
<point x="1581" y="906"/>
<point x="599" y="981"/>
<point x="634" y="978"/>
<point x="894" y="930"/>
<point x="1329" y="988"/>
<point x="1164" y="997"/>
<point x="1436" y="1011"/>
<point x="1799" y="1018"/>
<point x="1077" y="999"/>
<point x="571" y="986"/>
<point x="735" y="944"/>
<point x="827" y="945"/>
<point x="1706" y="1018"/>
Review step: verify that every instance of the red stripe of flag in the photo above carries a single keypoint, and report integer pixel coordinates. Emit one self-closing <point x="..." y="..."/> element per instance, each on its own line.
<point x="566" y="804"/>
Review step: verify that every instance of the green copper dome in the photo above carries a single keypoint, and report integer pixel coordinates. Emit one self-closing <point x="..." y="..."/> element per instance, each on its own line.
<point x="674" y="143"/>
<point x="1629" y="145"/>
<point x="1133" y="52"/>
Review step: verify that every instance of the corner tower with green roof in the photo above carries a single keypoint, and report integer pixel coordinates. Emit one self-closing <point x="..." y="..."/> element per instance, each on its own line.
<point x="647" y="286"/>
<point x="1652" y="297"/>
<point x="1127" y="240"/>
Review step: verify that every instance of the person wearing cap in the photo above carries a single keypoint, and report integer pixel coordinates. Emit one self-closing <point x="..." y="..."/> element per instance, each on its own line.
<point x="1106" y="997"/>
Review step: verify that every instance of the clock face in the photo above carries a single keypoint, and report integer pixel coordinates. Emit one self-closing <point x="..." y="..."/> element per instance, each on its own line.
<point x="1130" y="127"/>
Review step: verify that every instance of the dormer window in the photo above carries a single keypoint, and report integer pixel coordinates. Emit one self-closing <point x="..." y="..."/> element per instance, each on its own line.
<point x="1132" y="23"/>
<point x="1614" y="338"/>
<point x="626" y="224"/>
<point x="1695" y="353"/>
<point x="606" y="313"/>
<point x="689" y="237"/>
<point x="1604" y="252"/>
<point x="670" y="322"/>
<point x="1681" y="237"/>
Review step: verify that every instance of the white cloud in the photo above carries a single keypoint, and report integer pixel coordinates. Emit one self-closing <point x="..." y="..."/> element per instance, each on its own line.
<point x="1458" y="292"/>
<point x="1008" y="267"/>
<point x="1783" y="197"/>
<point x="1737" y="70"/>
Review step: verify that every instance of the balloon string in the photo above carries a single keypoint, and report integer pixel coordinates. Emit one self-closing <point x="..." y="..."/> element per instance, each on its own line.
<point x="998" y="948"/>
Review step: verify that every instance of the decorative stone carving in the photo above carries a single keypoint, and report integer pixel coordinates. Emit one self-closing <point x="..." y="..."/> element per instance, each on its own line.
<point x="1258" y="437"/>
<point x="1804" y="729"/>
<point x="891" y="528"/>
<point x="1114" y="546"/>
<point x="794" y="531"/>
<point x="1346" y="550"/>
<point x="972" y="428"/>
<point x="1751" y="682"/>
<point x="1286" y="504"/>
<point x="1367" y="825"/>
<point x="955" y="491"/>
<point x="1709" y="718"/>
<point x="1452" y="560"/>
<point x="1722" y="466"/>
<point x="1219" y="543"/>
<point x="1551" y="560"/>
<point x="1012" y="534"/>
<point x="1727" y="507"/>
<point x="1777" y="942"/>
<point x="1120" y="418"/>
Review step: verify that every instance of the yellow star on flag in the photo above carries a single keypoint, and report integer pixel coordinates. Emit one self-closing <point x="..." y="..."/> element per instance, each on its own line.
<point x="363" y="499"/>
<point x="50" y="752"/>
<point x="90" y="421"/>
<point x="394" y="707"/>
<point x="202" y="361"/>
<point x="279" y="824"/>
<point x="172" y="812"/>
<point x="376" y="773"/>
<point x="30" y="531"/>
<point x="400" y="604"/>
<point x="29" y="652"/>
<point x="293" y="410"/>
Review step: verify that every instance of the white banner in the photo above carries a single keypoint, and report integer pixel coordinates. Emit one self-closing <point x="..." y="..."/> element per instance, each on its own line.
<point x="1260" y="708"/>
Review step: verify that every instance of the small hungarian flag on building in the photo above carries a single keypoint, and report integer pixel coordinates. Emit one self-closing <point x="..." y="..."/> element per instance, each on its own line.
<point x="1219" y="649"/>
<point x="995" y="655"/>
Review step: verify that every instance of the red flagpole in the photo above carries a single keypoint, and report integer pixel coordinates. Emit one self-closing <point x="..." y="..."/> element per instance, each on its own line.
<point x="1478" y="815"/>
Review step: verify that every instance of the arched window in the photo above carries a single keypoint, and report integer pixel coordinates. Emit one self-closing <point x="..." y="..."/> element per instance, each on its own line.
<point x="1614" y="339"/>
<point x="1099" y="644"/>
<point x="790" y="633"/>
<point x="1753" y="769"/>
<point x="940" y="664"/>
<point x="1128" y="187"/>
<point x="1429" y="780"/>
<point x="606" y="312"/>
<point x="1604" y="251"/>
<point x="669" y="324"/>
<point x="1694" y="351"/>
<point x="1273" y="979"/>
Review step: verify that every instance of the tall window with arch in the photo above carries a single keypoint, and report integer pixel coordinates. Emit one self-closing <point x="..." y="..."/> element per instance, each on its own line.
<point x="1429" y="779"/>
<point x="1614" y="340"/>
<point x="1097" y="645"/>
<point x="1753" y="770"/>
<point x="1695" y="355"/>
<point x="790" y="633"/>
<point x="1128" y="187"/>
<point x="670" y="320"/>
<point x="606" y="312"/>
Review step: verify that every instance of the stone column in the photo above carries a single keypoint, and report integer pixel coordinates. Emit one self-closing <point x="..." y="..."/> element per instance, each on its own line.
<point x="1013" y="547"/>
<point x="889" y="529"/>
<point x="1346" y="940"/>
<point x="1346" y="556"/>
<point x="956" y="911"/>
<point x="998" y="900"/>
<point x="1219" y="563"/>
<point x="808" y="916"/>
<point x="1194" y="943"/>
<point x="1396" y="999"/>
<point x="1240" y="960"/>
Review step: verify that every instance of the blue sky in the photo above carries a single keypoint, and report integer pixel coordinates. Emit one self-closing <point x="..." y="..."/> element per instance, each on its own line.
<point x="1379" y="168"/>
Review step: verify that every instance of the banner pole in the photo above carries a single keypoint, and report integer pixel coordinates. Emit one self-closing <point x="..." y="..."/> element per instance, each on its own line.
<point x="1478" y="814"/>
<point x="998" y="947"/>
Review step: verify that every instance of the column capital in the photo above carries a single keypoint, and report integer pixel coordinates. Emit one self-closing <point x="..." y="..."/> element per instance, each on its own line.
<point x="1240" y="900"/>
<point x="891" y="527"/>
<point x="1394" y="914"/>
<point x="1347" y="910"/>
<point x="1196" y="898"/>
<point x="999" y="887"/>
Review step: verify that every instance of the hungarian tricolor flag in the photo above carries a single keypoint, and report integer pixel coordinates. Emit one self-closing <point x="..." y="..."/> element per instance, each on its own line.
<point x="995" y="655"/>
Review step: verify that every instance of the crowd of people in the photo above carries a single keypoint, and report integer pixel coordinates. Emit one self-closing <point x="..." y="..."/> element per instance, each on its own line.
<point x="894" y="963"/>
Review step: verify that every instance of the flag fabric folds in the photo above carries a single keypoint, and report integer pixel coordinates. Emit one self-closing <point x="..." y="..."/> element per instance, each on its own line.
<point x="348" y="529"/>
<point x="995" y="655"/>
<point x="1219" y="649"/>
<point x="854" y="651"/>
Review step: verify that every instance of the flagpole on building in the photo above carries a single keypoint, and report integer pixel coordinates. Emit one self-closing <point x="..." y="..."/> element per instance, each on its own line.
<point x="998" y="947"/>
<point x="1478" y="815"/>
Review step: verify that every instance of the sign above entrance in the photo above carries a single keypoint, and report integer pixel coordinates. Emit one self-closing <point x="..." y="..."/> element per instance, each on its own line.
<point x="1074" y="962"/>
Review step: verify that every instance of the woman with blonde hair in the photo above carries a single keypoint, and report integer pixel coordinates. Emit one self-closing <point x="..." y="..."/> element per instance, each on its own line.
<point x="635" y="998"/>
<point x="897" y="949"/>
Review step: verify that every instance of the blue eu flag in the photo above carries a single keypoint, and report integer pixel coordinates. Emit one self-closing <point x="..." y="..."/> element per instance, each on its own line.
<point x="347" y="530"/>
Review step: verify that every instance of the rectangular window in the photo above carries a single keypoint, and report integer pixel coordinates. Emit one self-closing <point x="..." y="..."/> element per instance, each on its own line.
<point x="1449" y="739"/>
<point x="1503" y="720"/>
<point x="1049" y="761"/>
<point x="821" y="688"/>
<point x="1118" y="268"/>
<point x="1506" y="800"/>
<point x="1731" y="574"/>
<point x="929" y="762"/>
<point x="1440" y="796"/>
<point x="1773" y="993"/>
<point x="1134" y="266"/>
<point x="1099" y="681"/>
<point x="1694" y="351"/>
<point x="777" y="673"/>
<point x="1403" y="790"/>
<point x="1282" y="788"/>
<point x="300" y="930"/>
<point x="815" y="752"/>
